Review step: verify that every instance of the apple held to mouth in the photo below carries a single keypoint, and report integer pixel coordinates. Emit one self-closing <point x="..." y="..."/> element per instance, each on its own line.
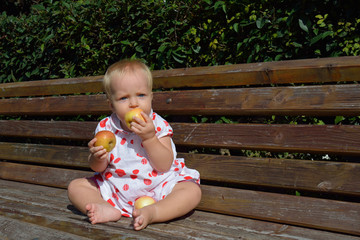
<point x="129" y="116"/>
<point x="143" y="202"/>
<point x="106" y="139"/>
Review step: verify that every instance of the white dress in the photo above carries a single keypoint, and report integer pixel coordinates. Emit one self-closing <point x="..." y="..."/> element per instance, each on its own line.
<point x="130" y="175"/>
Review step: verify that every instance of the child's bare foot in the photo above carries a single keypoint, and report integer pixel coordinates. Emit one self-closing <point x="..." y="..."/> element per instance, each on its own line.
<point x="143" y="217"/>
<point x="101" y="213"/>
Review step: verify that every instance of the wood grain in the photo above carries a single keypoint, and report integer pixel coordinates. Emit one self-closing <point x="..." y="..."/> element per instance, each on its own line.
<point x="303" y="211"/>
<point x="56" y="214"/>
<point x="322" y="139"/>
<point x="341" y="69"/>
<point x="281" y="72"/>
<point x="320" y="176"/>
<point x="309" y="100"/>
<point x="274" y="137"/>
<point x="17" y="229"/>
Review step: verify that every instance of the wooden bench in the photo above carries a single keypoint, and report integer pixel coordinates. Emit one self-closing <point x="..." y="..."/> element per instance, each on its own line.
<point x="250" y="195"/>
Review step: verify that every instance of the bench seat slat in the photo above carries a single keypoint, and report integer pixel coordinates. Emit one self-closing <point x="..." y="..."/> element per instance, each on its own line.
<point x="17" y="229"/>
<point x="48" y="213"/>
<point x="275" y="137"/>
<point x="199" y="223"/>
<point x="295" y="71"/>
<point x="323" y="176"/>
<point x="309" y="100"/>
<point x="304" y="211"/>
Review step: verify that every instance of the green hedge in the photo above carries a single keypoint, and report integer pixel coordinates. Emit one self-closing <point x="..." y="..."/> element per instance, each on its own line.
<point x="61" y="39"/>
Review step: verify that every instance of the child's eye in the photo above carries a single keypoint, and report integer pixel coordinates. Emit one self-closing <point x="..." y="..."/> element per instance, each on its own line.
<point x="141" y="95"/>
<point x="122" y="98"/>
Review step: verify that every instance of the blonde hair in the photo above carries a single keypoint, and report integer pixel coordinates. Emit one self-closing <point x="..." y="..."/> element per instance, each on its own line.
<point x="122" y="67"/>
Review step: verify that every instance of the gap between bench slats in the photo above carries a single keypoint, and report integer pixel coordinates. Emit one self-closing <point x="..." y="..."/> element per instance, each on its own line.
<point x="325" y="139"/>
<point x="309" y="100"/>
<point x="303" y="211"/>
<point x="323" y="176"/>
<point x="339" y="69"/>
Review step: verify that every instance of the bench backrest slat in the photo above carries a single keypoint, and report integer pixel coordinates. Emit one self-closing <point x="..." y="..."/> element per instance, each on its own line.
<point x="275" y="137"/>
<point x="310" y="100"/>
<point x="345" y="69"/>
<point x="268" y="172"/>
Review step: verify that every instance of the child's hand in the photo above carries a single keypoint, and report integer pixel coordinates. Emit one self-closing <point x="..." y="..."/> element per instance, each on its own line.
<point x="144" y="129"/>
<point x="97" y="154"/>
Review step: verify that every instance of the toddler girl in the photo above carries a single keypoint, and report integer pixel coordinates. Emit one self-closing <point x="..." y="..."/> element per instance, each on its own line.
<point x="143" y="162"/>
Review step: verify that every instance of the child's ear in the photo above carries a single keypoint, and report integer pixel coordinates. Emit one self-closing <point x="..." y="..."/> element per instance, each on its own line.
<point x="110" y="105"/>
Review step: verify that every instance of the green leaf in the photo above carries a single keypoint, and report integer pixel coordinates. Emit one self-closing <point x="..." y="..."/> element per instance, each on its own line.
<point x="125" y="42"/>
<point x="260" y="22"/>
<point x="197" y="49"/>
<point x="219" y="4"/>
<point x="338" y="119"/>
<point x="39" y="7"/>
<point x="303" y="26"/>
<point x="236" y="27"/>
<point x="177" y="59"/>
<point x="295" y="44"/>
<point x="162" y="48"/>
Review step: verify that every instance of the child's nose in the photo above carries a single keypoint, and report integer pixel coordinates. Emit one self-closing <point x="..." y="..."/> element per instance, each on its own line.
<point x="133" y="102"/>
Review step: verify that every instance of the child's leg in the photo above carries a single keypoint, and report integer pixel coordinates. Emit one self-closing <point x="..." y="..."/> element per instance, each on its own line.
<point x="86" y="197"/>
<point x="184" y="197"/>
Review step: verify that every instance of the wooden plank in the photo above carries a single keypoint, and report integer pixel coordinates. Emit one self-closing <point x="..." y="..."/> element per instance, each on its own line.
<point x="323" y="176"/>
<point x="17" y="229"/>
<point x="197" y="224"/>
<point x="74" y="224"/>
<point x="282" y="72"/>
<point x="323" y="139"/>
<point x="306" y="100"/>
<point x="53" y="177"/>
<point x="302" y="211"/>
<point x="320" y="176"/>
<point x="274" y="137"/>
<point x="67" y="130"/>
<point x="56" y="155"/>
<point x="61" y="105"/>
<point x="52" y="87"/>
<point x="340" y="69"/>
<point x="180" y="228"/>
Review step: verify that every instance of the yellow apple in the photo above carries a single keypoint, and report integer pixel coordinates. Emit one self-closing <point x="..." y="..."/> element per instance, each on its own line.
<point x="143" y="202"/>
<point x="106" y="139"/>
<point x="129" y="116"/>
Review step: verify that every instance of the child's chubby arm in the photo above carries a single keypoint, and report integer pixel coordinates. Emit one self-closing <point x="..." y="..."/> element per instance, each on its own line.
<point x="159" y="150"/>
<point x="98" y="158"/>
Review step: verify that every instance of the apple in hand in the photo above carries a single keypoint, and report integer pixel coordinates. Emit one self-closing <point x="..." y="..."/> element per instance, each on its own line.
<point x="129" y="116"/>
<point x="143" y="202"/>
<point x="106" y="139"/>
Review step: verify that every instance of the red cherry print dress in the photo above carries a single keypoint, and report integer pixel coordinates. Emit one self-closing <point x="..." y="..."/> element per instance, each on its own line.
<point x="130" y="175"/>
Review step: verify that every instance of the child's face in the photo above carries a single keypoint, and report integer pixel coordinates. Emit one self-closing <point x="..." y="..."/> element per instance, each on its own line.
<point x="128" y="92"/>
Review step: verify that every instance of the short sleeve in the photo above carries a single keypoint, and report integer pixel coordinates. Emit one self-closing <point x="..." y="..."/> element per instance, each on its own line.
<point x="104" y="124"/>
<point x="162" y="127"/>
